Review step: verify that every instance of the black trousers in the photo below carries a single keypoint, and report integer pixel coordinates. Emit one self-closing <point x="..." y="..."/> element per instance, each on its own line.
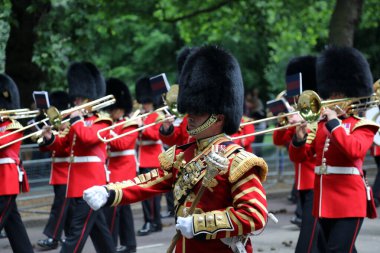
<point x="340" y="234"/>
<point x="151" y="207"/>
<point x="58" y="214"/>
<point x="84" y="222"/>
<point x="120" y="223"/>
<point x="10" y="220"/>
<point x="170" y="201"/>
<point x="310" y="231"/>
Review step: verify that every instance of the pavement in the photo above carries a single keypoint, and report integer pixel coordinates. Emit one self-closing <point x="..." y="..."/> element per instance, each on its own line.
<point x="280" y="237"/>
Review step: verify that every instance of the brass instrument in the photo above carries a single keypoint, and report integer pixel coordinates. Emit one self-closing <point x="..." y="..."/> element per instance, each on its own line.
<point x="18" y="113"/>
<point x="55" y="117"/>
<point x="170" y="108"/>
<point x="309" y="107"/>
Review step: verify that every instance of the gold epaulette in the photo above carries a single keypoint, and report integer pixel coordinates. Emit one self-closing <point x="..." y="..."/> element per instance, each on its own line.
<point x="14" y="125"/>
<point x="243" y="162"/>
<point x="103" y="116"/>
<point x="167" y="158"/>
<point x="364" y="122"/>
<point x="129" y="122"/>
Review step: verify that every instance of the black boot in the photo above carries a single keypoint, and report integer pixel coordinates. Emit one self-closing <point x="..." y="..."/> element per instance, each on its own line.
<point x="155" y="227"/>
<point x="48" y="244"/>
<point x="145" y="230"/>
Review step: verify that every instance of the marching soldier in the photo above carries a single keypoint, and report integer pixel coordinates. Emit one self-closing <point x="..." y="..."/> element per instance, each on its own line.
<point x="13" y="178"/>
<point x="304" y="172"/>
<point x="58" y="178"/>
<point x="339" y="146"/>
<point x="87" y="159"/>
<point x="211" y="168"/>
<point x="122" y="163"/>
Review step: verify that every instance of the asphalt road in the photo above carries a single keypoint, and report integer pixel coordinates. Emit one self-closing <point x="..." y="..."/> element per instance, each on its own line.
<point x="280" y="237"/>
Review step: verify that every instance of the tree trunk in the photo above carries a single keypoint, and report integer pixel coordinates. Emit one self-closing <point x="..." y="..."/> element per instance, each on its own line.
<point x="343" y="22"/>
<point x="25" y="15"/>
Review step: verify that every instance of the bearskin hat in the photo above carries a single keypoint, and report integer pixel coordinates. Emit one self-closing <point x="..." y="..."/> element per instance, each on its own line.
<point x="9" y="96"/>
<point x="305" y="65"/>
<point x="144" y="93"/>
<point x="85" y="81"/>
<point x="59" y="99"/>
<point x="211" y="82"/>
<point x="343" y="70"/>
<point x="120" y="91"/>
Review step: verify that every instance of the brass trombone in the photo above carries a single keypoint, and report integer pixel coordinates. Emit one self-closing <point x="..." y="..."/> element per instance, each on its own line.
<point x="55" y="117"/>
<point x="18" y="113"/>
<point x="309" y="107"/>
<point x="170" y="108"/>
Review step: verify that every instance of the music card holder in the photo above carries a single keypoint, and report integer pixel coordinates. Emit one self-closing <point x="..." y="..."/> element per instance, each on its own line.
<point x="278" y="106"/>
<point x="159" y="84"/>
<point x="293" y="87"/>
<point x="41" y="98"/>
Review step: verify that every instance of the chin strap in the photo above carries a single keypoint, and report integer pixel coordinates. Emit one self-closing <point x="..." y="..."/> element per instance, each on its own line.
<point x="210" y="121"/>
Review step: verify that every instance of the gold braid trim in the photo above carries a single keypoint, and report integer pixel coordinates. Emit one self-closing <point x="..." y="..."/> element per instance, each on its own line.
<point x="243" y="162"/>
<point x="166" y="158"/>
<point x="364" y="122"/>
<point x="129" y="123"/>
<point x="103" y="116"/>
<point x="212" y="222"/>
<point x="14" y="125"/>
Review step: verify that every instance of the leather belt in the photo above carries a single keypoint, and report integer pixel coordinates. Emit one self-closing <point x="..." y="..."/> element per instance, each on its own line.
<point x="323" y="170"/>
<point x="85" y="159"/>
<point x="146" y="143"/>
<point x="122" y="153"/>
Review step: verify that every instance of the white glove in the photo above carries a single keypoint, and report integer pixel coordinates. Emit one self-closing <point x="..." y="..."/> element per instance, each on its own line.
<point x="96" y="196"/>
<point x="185" y="225"/>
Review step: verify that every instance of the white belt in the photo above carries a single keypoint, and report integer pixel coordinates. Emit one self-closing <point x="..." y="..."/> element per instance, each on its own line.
<point x="146" y="143"/>
<point x="6" y="160"/>
<point x="85" y="159"/>
<point x="61" y="159"/>
<point x="122" y="153"/>
<point x="322" y="170"/>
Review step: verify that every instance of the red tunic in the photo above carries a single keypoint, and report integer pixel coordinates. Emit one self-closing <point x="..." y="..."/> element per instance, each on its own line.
<point x="122" y="155"/>
<point x="339" y="195"/>
<point x="304" y="171"/>
<point x="12" y="175"/>
<point x="243" y="199"/>
<point x="150" y="145"/>
<point x="179" y="136"/>
<point x="88" y="154"/>
<point x="246" y="142"/>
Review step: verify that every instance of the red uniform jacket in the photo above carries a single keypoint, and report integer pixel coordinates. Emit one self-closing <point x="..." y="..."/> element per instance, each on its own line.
<point x="12" y="175"/>
<point x="304" y="171"/>
<point x="237" y="195"/>
<point x="179" y="136"/>
<point x="122" y="154"/>
<point x="150" y="145"/>
<point x="246" y="142"/>
<point x="60" y="159"/>
<point x="88" y="154"/>
<point x="345" y="147"/>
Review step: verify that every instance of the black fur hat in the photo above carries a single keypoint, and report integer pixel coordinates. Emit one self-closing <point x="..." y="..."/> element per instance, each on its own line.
<point x="59" y="99"/>
<point x="120" y="91"/>
<point x="211" y="82"/>
<point x="343" y="70"/>
<point x="181" y="58"/>
<point x="144" y="93"/>
<point x="85" y="81"/>
<point x="306" y="65"/>
<point x="9" y="96"/>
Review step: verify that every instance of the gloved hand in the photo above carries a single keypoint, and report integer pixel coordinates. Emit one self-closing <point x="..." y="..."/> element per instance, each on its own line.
<point x="185" y="225"/>
<point x="96" y="196"/>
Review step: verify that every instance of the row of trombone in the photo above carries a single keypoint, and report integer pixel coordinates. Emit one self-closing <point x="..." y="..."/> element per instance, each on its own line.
<point x="308" y="107"/>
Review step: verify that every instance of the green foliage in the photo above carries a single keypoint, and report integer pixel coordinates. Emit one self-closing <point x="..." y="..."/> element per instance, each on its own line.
<point x="128" y="39"/>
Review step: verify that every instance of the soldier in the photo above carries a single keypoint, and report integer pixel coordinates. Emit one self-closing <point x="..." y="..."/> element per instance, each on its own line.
<point x="87" y="159"/>
<point x="304" y="172"/>
<point x="12" y="174"/>
<point x="122" y="163"/>
<point x="340" y="146"/>
<point x="58" y="178"/>
<point x="149" y="147"/>
<point x="211" y="92"/>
